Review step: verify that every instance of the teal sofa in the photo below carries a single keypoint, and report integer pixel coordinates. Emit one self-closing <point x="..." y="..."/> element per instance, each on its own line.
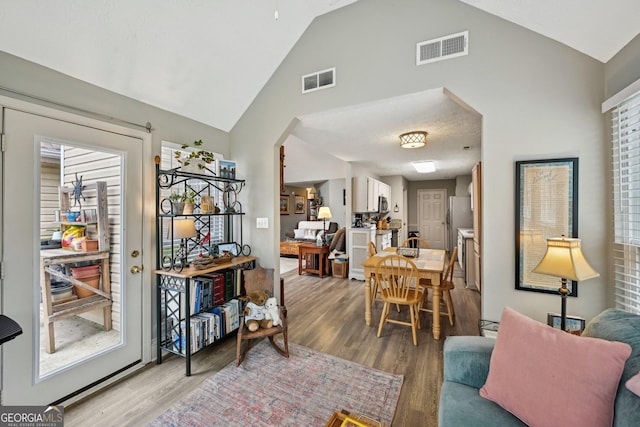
<point x="466" y="366"/>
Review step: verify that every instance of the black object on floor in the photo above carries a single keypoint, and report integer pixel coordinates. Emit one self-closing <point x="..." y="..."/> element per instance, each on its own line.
<point x="9" y="329"/>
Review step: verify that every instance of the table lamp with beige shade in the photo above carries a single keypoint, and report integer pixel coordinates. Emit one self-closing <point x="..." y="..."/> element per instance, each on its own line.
<point x="182" y="229"/>
<point x="324" y="213"/>
<point x="564" y="259"/>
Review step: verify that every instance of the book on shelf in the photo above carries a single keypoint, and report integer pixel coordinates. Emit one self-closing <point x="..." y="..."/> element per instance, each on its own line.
<point x="229" y="284"/>
<point x="231" y="310"/>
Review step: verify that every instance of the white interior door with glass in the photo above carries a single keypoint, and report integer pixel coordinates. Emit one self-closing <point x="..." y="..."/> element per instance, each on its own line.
<point x="72" y="233"/>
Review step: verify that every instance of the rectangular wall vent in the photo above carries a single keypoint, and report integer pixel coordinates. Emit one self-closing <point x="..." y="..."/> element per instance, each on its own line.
<point x="319" y="80"/>
<point x="442" y="48"/>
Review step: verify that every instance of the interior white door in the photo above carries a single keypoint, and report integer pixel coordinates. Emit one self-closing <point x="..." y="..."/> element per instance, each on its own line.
<point x="431" y="217"/>
<point x="23" y="380"/>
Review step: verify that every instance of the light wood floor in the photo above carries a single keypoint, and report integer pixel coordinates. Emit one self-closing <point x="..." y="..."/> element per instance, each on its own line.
<point x="324" y="314"/>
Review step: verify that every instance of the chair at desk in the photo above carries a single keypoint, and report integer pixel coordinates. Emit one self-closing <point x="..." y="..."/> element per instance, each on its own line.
<point x="397" y="281"/>
<point x="446" y="285"/>
<point x="416" y="242"/>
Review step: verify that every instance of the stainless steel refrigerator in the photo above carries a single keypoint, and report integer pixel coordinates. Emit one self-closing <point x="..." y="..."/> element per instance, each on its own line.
<point x="458" y="216"/>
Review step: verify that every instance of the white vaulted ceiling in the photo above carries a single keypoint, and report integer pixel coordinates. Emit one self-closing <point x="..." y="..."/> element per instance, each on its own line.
<point x="208" y="59"/>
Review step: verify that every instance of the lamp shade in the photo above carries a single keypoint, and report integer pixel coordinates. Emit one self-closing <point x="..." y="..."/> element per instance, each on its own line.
<point x="182" y="229"/>
<point x="564" y="259"/>
<point x="324" y="212"/>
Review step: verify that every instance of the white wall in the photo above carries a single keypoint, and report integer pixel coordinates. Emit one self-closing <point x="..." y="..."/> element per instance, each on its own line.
<point x="462" y="185"/>
<point x="305" y="163"/>
<point x="538" y="98"/>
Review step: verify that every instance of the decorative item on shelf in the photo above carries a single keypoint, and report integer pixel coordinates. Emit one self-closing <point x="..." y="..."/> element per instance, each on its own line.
<point x="564" y="259"/>
<point x="230" y="198"/>
<point x="77" y="191"/>
<point x="207" y="204"/>
<point x="311" y="193"/>
<point x="182" y="229"/>
<point x="182" y="203"/>
<point x="203" y="262"/>
<point x="414" y="139"/>
<point x="226" y="169"/>
<point x="224" y="258"/>
<point x="396" y="208"/>
<point x="194" y="161"/>
<point x="324" y="213"/>
<point x="72" y="216"/>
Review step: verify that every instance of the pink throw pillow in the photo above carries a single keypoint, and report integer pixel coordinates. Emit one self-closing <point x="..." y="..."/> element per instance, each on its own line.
<point x="547" y="377"/>
<point x="633" y="384"/>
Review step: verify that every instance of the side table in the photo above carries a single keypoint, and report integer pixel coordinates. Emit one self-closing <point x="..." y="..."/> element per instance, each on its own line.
<point x="316" y="259"/>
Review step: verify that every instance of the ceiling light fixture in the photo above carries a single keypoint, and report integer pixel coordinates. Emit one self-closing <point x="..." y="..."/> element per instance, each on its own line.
<point x="415" y="139"/>
<point x="424" y="166"/>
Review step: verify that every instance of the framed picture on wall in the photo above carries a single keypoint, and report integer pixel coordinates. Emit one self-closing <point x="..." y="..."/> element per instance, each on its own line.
<point x="546" y="207"/>
<point x="284" y="205"/>
<point x="300" y="204"/>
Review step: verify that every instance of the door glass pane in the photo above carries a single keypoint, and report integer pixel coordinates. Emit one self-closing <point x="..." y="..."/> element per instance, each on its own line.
<point x="80" y="202"/>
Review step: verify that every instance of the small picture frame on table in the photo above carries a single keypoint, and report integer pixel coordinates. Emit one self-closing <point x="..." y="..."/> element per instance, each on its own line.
<point x="575" y="325"/>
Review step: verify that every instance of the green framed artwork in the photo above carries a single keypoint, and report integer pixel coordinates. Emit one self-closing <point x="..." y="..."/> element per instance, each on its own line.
<point x="546" y="206"/>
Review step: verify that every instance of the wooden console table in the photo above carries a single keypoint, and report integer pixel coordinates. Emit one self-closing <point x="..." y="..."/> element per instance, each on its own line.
<point x="66" y="308"/>
<point x="316" y="259"/>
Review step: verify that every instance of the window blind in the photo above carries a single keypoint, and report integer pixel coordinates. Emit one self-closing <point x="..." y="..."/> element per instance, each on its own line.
<point x="213" y="224"/>
<point x="626" y="216"/>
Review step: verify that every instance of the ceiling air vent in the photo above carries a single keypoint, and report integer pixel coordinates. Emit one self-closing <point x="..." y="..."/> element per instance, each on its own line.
<point x="319" y="80"/>
<point x="442" y="48"/>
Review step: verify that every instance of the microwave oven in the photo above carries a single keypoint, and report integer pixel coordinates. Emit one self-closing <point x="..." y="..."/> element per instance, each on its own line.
<point x="383" y="204"/>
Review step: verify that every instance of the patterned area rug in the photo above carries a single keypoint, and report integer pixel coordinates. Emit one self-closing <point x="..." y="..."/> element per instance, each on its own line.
<point x="270" y="390"/>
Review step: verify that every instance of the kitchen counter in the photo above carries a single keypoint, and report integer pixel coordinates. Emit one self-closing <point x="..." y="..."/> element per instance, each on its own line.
<point x="466" y="233"/>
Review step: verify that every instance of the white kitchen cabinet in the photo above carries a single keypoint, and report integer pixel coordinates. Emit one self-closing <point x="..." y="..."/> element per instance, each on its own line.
<point x="372" y="194"/>
<point x="360" y="193"/>
<point x="358" y="247"/>
<point x="385" y="190"/>
<point x="366" y="192"/>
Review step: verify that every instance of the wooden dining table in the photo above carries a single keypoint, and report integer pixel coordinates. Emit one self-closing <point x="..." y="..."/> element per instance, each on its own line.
<point x="430" y="264"/>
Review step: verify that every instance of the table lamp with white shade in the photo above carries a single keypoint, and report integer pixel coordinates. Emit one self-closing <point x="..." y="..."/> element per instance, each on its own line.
<point x="324" y="213"/>
<point x="564" y="259"/>
<point x="182" y="229"/>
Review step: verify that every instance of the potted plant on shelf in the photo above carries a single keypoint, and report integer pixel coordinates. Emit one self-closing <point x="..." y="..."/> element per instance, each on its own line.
<point x="177" y="205"/>
<point x="194" y="161"/>
<point x="188" y="198"/>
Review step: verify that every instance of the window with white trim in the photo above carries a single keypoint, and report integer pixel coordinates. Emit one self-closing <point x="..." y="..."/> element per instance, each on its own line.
<point x="215" y="224"/>
<point x="625" y="128"/>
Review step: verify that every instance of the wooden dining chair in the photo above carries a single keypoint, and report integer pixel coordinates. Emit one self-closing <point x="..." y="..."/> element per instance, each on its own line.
<point x="415" y="242"/>
<point x="262" y="279"/>
<point x="397" y="279"/>
<point x="372" y="250"/>
<point x="446" y="285"/>
<point x="371" y="247"/>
